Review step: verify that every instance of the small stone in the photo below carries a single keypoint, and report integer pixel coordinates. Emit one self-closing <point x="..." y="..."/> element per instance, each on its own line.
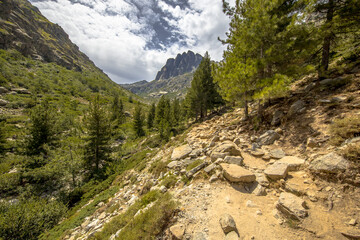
<point x="181" y="152"/>
<point x="178" y="231"/>
<point x="232" y="236"/>
<point x="292" y="206"/>
<point x="163" y="189"/>
<point x="213" y="178"/>
<point x="227" y="223"/>
<point x="210" y="168"/>
<point x="294" y="163"/>
<point x="250" y="204"/>
<point x="352" y="222"/>
<point x="199" y="236"/>
<point x="258" y="212"/>
<point x="328" y="188"/>
<point x="277" y="153"/>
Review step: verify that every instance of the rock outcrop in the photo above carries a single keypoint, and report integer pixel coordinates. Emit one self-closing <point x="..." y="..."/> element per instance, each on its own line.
<point x="183" y="63"/>
<point x="329" y="163"/>
<point x="235" y="173"/>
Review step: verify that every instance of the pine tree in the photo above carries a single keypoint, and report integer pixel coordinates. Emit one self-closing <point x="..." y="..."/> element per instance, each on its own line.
<point x="117" y="107"/>
<point x="138" y="123"/>
<point x="43" y="128"/>
<point x="163" y="117"/>
<point x="203" y="95"/>
<point x="97" y="142"/>
<point x="176" y="112"/>
<point x="151" y="116"/>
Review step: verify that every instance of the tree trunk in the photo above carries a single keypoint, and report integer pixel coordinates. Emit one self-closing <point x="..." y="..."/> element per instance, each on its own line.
<point x="327" y="41"/>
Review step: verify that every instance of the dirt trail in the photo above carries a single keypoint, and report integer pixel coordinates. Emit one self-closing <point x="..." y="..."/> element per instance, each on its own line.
<point x="256" y="217"/>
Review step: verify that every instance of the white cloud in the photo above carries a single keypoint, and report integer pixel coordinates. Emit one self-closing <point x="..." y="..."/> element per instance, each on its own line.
<point x="115" y="33"/>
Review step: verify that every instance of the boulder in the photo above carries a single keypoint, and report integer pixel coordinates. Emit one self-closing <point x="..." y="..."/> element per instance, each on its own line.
<point x="233" y="160"/>
<point x="228" y="147"/>
<point x="3" y="102"/>
<point x="199" y="236"/>
<point x="235" y="173"/>
<point x="259" y="190"/>
<point x="296" y="107"/>
<point x="276" y="120"/>
<point x="232" y="236"/>
<point x="292" y="206"/>
<point x="210" y="168"/>
<point x="173" y="164"/>
<point x="257" y="153"/>
<point x="216" y="155"/>
<point x="294" y="163"/>
<point x="3" y="90"/>
<point x="177" y="231"/>
<point x="196" y="169"/>
<point x="277" y="153"/>
<point x="21" y="90"/>
<point x="268" y="138"/>
<point x="329" y="163"/>
<point x="277" y="171"/>
<point x="227" y="223"/>
<point x="181" y="152"/>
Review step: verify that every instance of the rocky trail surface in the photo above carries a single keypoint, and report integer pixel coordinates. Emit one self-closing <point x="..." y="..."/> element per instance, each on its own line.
<point x="245" y="185"/>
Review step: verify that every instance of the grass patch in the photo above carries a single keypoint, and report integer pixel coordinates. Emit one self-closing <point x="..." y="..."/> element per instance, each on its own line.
<point x="194" y="164"/>
<point x="78" y="214"/>
<point x="158" y="167"/>
<point x="169" y="181"/>
<point x="352" y="152"/>
<point x="122" y="220"/>
<point x="343" y="129"/>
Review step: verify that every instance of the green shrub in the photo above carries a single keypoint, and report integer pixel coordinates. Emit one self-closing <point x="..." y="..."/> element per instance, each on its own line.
<point x="150" y="223"/>
<point x="194" y="164"/>
<point x="352" y="152"/>
<point x="28" y="218"/>
<point x="158" y="167"/>
<point x="343" y="129"/>
<point x="169" y="181"/>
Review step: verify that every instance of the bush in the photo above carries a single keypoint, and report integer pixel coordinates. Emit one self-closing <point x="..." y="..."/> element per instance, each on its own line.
<point x="343" y="129"/>
<point x="28" y="218"/>
<point x="352" y="152"/>
<point x="169" y="181"/>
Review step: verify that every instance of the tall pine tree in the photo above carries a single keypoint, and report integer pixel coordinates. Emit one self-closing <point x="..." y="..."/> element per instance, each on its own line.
<point x="138" y="124"/>
<point x="97" y="149"/>
<point x="203" y="94"/>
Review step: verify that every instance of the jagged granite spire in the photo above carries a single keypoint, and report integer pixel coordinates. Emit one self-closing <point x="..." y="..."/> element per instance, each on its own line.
<point x="183" y="63"/>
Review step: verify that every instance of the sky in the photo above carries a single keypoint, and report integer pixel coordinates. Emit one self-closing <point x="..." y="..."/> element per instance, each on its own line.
<point x="130" y="40"/>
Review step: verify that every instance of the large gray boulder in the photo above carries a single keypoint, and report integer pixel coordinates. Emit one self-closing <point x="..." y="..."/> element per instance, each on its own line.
<point x="228" y="147"/>
<point x="294" y="163"/>
<point x="277" y="153"/>
<point x="329" y="163"/>
<point x="235" y="173"/>
<point x="181" y="152"/>
<point x="296" y="107"/>
<point x="227" y="223"/>
<point x="234" y="160"/>
<point x="276" y="120"/>
<point x="268" y="138"/>
<point x="277" y="171"/>
<point x="216" y="155"/>
<point x="292" y="206"/>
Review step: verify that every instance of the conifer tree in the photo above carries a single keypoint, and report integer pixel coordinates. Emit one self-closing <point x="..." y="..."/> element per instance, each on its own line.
<point x="118" y="110"/>
<point x="138" y="123"/>
<point x="163" y="117"/>
<point x="151" y="116"/>
<point x="43" y="128"/>
<point x="97" y="148"/>
<point x="202" y="95"/>
<point x="176" y="111"/>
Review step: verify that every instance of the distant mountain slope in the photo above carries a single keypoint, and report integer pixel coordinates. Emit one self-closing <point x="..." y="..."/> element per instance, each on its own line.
<point x="173" y="79"/>
<point x="25" y="29"/>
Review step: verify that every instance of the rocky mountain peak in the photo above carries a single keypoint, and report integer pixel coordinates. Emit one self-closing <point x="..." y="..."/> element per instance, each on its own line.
<point x="183" y="63"/>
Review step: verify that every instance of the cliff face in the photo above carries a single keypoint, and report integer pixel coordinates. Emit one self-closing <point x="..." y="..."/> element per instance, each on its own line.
<point x="24" y="28"/>
<point x="183" y="63"/>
